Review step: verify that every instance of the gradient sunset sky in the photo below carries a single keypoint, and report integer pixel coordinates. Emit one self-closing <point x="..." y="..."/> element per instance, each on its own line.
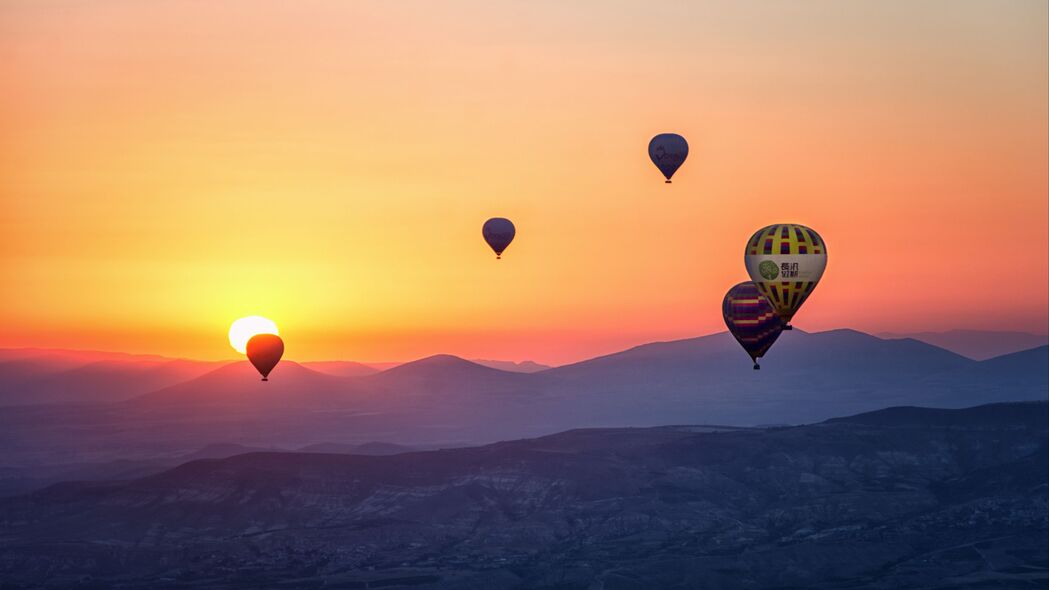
<point x="169" y="166"/>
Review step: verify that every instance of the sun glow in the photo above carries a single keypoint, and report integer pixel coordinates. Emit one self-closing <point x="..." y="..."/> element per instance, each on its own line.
<point x="243" y="329"/>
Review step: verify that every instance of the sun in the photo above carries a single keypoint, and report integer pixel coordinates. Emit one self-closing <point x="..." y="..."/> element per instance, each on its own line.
<point x="243" y="329"/>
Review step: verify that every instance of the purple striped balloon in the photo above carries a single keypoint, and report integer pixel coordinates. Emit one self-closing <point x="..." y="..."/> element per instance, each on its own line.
<point x="751" y="319"/>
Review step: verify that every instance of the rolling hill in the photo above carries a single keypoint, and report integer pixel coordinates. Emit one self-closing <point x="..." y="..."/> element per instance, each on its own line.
<point x="899" y="498"/>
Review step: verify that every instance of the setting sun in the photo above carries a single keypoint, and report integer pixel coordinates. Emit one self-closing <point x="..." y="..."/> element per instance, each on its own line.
<point x="243" y="329"/>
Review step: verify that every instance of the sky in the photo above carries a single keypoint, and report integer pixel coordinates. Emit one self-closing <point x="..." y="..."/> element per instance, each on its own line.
<point x="169" y="166"/>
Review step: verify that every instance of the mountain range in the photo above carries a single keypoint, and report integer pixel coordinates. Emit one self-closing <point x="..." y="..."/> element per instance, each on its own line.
<point x="30" y="376"/>
<point x="446" y="401"/>
<point x="899" y="498"/>
<point x="978" y="345"/>
<point x="41" y="376"/>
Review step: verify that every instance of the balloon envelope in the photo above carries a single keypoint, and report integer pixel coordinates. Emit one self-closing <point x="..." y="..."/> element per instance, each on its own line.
<point x="668" y="152"/>
<point x="498" y="232"/>
<point x="751" y="319"/>
<point x="786" y="262"/>
<point x="264" y="351"/>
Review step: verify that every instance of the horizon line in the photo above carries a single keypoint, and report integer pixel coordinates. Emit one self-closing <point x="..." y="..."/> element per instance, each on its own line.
<point x="888" y="335"/>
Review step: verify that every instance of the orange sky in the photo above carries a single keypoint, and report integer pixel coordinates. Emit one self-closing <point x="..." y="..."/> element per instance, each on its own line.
<point x="169" y="166"/>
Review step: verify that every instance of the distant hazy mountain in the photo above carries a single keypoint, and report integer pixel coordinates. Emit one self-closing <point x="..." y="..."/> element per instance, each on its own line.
<point x="805" y="377"/>
<point x="440" y="365"/>
<point x="446" y="375"/>
<point x="31" y="376"/>
<point x="357" y="369"/>
<point x="341" y="368"/>
<point x="291" y="385"/>
<point x="74" y="357"/>
<point x="222" y="451"/>
<point x="834" y="351"/>
<point x="521" y="367"/>
<point x="1024" y="371"/>
<point x="448" y="401"/>
<point x="382" y="366"/>
<point x="900" y="498"/>
<point x="368" y="448"/>
<point x="977" y="344"/>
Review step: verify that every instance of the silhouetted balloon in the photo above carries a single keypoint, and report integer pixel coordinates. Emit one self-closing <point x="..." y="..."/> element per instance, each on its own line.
<point x="668" y="152"/>
<point x="786" y="261"/>
<point x="264" y="351"/>
<point x="498" y="232"/>
<point x="751" y="319"/>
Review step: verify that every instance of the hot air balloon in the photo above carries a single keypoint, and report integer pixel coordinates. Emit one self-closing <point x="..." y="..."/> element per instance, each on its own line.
<point x="786" y="262"/>
<point x="751" y="319"/>
<point x="498" y="232"/>
<point x="264" y="351"/>
<point x="668" y="152"/>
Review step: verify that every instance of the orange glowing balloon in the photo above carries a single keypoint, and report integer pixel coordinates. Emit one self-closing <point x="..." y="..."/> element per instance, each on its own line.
<point x="264" y="351"/>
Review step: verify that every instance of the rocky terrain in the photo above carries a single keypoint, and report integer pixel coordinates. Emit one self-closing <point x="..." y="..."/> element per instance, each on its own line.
<point x="898" y="498"/>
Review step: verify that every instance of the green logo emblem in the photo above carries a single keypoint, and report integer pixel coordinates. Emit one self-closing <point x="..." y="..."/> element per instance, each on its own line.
<point x="769" y="270"/>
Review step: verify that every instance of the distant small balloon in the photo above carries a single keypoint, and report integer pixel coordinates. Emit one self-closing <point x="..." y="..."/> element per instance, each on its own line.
<point x="264" y="351"/>
<point x="751" y="319"/>
<point x="668" y="152"/>
<point x="786" y="262"/>
<point x="498" y="232"/>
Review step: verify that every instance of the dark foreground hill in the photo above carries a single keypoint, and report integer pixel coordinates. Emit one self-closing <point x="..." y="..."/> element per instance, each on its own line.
<point x="900" y="498"/>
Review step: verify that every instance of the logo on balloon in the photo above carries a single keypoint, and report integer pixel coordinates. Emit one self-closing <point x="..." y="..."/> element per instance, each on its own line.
<point x="769" y="270"/>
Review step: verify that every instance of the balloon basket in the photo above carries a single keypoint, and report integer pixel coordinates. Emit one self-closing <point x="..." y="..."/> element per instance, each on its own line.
<point x="265" y="378"/>
<point x="667" y="182"/>
<point x="757" y="367"/>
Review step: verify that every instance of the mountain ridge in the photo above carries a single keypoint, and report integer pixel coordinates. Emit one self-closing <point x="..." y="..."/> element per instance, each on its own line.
<point x="236" y="382"/>
<point x="448" y="401"/>
<point x="976" y="344"/>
